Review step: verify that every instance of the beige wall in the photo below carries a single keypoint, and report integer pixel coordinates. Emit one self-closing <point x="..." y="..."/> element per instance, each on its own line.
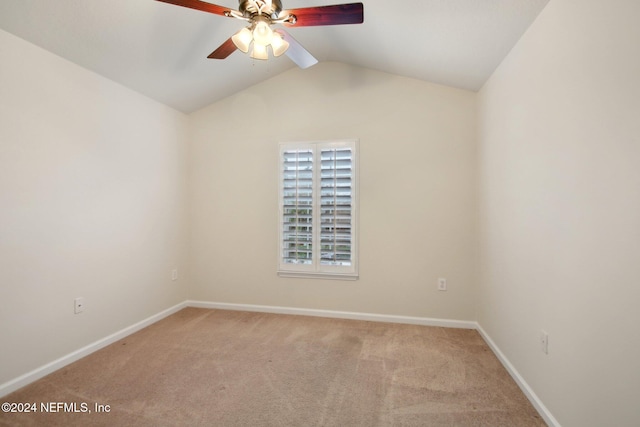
<point x="417" y="197"/>
<point x="559" y="149"/>
<point x="92" y="204"/>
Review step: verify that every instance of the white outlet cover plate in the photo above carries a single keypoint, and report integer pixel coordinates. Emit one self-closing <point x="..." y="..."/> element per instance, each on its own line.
<point x="544" y="342"/>
<point x="78" y="305"/>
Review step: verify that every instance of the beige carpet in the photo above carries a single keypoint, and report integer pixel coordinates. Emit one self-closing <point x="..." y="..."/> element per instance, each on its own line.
<point x="203" y="367"/>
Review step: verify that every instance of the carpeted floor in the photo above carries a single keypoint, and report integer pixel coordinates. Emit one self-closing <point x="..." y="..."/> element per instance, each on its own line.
<point x="203" y="367"/>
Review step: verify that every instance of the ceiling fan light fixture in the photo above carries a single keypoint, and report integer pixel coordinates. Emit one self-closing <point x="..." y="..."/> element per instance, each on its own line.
<point x="278" y="44"/>
<point x="262" y="15"/>
<point x="259" y="51"/>
<point x="242" y="39"/>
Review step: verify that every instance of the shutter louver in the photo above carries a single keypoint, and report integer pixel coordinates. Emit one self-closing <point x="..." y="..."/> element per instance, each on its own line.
<point x="336" y="198"/>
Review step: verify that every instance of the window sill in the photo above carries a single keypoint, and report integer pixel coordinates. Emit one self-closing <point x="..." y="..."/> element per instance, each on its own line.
<point x="307" y="275"/>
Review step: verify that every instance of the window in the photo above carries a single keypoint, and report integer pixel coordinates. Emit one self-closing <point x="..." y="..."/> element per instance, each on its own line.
<point x="318" y="201"/>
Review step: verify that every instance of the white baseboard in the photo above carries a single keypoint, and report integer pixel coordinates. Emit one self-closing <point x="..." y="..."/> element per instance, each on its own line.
<point x="445" y="323"/>
<point x="533" y="398"/>
<point x="36" y="374"/>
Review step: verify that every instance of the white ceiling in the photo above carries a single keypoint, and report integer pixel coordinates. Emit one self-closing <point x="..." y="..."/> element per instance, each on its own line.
<point x="160" y="49"/>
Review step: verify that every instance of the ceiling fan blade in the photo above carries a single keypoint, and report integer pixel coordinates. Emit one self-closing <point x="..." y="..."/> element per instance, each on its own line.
<point x="298" y="54"/>
<point x="351" y="13"/>
<point x="200" y="5"/>
<point x="225" y="49"/>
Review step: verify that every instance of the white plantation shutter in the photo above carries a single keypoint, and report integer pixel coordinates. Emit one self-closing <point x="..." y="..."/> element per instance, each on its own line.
<point x="335" y="206"/>
<point x="297" y="198"/>
<point x="318" y="188"/>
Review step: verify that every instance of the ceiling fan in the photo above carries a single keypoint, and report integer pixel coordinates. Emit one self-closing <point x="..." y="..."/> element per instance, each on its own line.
<point x="262" y="14"/>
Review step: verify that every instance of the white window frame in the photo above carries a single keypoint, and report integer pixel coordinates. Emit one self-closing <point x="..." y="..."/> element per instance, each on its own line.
<point x="316" y="269"/>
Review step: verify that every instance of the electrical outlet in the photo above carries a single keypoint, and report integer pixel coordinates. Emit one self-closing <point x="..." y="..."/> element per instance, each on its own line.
<point x="78" y="305"/>
<point x="174" y="274"/>
<point x="544" y="342"/>
<point x="442" y="284"/>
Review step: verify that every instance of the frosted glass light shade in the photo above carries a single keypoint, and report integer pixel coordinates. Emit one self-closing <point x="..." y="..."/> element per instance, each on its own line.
<point x="279" y="45"/>
<point x="242" y="39"/>
<point x="262" y="33"/>
<point x="259" y="51"/>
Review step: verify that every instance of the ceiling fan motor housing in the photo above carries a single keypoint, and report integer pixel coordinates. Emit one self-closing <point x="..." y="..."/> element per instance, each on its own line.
<point x="248" y="8"/>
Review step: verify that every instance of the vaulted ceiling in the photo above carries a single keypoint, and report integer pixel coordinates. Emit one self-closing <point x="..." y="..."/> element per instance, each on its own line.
<point x="160" y="50"/>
